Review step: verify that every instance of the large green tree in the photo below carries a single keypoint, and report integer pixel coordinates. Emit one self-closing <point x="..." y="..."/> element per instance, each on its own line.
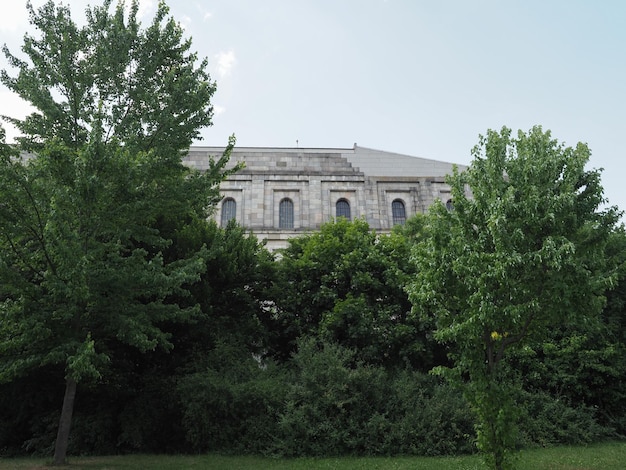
<point x="142" y="87"/>
<point x="345" y="284"/>
<point x="521" y="252"/>
<point x="584" y="364"/>
<point x="81" y="262"/>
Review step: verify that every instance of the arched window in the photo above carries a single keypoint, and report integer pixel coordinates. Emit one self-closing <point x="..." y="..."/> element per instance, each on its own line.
<point x="229" y="210"/>
<point x="398" y="212"/>
<point x="342" y="209"/>
<point x="285" y="214"/>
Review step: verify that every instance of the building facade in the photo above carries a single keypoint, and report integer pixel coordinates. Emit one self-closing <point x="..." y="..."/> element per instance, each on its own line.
<point x="286" y="192"/>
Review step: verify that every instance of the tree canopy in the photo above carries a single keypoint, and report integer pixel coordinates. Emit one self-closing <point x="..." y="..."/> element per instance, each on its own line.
<point x="520" y="253"/>
<point x="108" y="265"/>
<point x="86" y="204"/>
<point x="346" y="284"/>
<point x="110" y="77"/>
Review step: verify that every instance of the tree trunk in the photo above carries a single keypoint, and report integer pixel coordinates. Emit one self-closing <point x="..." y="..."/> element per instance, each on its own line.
<point x="63" y="434"/>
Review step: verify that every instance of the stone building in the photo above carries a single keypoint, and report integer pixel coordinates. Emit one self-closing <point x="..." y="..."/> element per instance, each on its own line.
<point x="286" y="192"/>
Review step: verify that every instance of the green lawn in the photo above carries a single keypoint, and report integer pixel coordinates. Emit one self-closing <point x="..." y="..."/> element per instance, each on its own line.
<point x="610" y="456"/>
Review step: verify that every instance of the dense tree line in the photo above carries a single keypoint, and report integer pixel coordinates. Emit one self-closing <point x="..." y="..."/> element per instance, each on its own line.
<point x="236" y="381"/>
<point x="131" y="318"/>
<point x="95" y="192"/>
<point x="521" y="254"/>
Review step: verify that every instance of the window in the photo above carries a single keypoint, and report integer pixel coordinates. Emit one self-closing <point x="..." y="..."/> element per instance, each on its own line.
<point x="398" y="212"/>
<point x="343" y="209"/>
<point x="285" y="214"/>
<point x="229" y="211"/>
<point x="449" y="205"/>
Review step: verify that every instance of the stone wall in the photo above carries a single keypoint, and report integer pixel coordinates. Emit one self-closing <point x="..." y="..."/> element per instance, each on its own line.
<point x="315" y="179"/>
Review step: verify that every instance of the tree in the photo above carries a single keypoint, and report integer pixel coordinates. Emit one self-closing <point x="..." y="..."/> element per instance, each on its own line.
<point x="520" y="253"/>
<point x="232" y="291"/>
<point x="142" y="87"/>
<point x="583" y="364"/>
<point x="216" y="349"/>
<point x="82" y="265"/>
<point x="345" y="284"/>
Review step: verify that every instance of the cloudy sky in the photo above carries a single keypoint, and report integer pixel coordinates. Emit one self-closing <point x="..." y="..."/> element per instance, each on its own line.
<point x="418" y="77"/>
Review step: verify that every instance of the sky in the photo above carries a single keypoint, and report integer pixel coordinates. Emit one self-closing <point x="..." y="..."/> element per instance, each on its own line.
<point x="417" y="77"/>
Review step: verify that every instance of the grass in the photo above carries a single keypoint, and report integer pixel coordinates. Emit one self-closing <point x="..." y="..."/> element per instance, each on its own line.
<point x="608" y="456"/>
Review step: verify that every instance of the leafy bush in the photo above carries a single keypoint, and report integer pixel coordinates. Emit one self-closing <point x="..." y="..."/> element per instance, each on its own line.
<point x="93" y="433"/>
<point x="29" y="413"/>
<point x="151" y="420"/>
<point x="429" y="417"/>
<point x="547" y="420"/>
<point x="331" y="403"/>
<point x="339" y="406"/>
<point x="231" y="412"/>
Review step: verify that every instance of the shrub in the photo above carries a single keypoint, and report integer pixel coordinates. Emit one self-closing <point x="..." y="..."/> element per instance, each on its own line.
<point x="231" y="412"/>
<point x="429" y="417"/>
<point x="546" y="420"/>
<point x="150" y="419"/>
<point x="330" y="403"/>
<point x="337" y="406"/>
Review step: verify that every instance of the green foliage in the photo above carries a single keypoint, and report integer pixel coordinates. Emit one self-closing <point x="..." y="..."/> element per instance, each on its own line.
<point x="585" y="367"/>
<point x="26" y="404"/>
<point x="337" y="405"/>
<point x="232" y="407"/>
<point x="82" y="267"/>
<point x="606" y="368"/>
<point x="137" y="404"/>
<point x="491" y="397"/>
<point x="148" y="418"/>
<point x="82" y="262"/>
<point x="426" y="416"/>
<point x="345" y="284"/>
<point x="333" y="404"/>
<point x="521" y="255"/>
<point x="546" y="420"/>
<point x="232" y="290"/>
<point x="111" y="77"/>
<point x="584" y="363"/>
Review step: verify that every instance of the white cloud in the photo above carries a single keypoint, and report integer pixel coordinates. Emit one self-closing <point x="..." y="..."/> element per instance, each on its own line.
<point x="13" y="106"/>
<point x="207" y="16"/>
<point x="185" y="21"/>
<point x="14" y="16"/>
<point x="217" y="110"/>
<point x="146" y="8"/>
<point x="12" y="19"/>
<point x="225" y="62"/>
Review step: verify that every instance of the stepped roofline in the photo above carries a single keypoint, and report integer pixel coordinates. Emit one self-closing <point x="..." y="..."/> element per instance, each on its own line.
<point x="370" y="162"/>
<point x="283" y="192"/>
<point x="239" y="149"/>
